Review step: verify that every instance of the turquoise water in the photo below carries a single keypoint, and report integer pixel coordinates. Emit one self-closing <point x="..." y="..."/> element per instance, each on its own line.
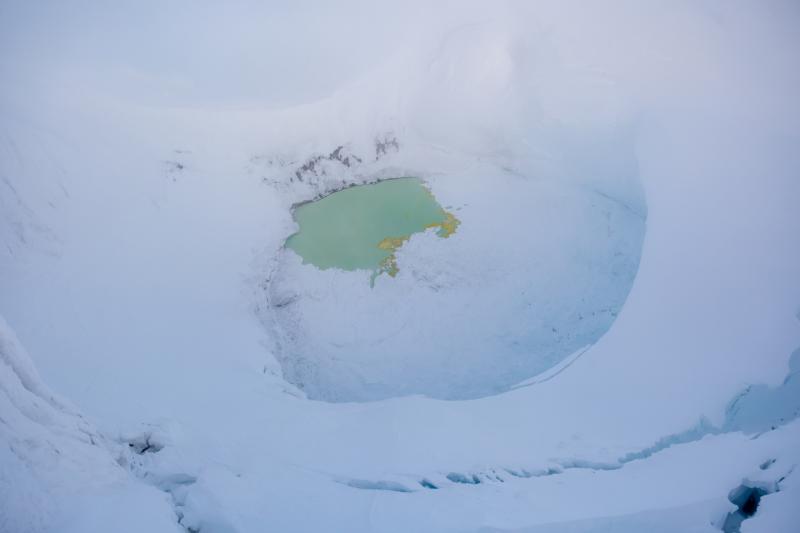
<point x="360" y="228"/>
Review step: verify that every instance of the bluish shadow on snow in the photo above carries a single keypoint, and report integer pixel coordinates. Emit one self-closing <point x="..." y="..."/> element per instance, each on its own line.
<point x="761" y="407"/>
<point x="365" y="484"/>
<point x="758" y="409"/>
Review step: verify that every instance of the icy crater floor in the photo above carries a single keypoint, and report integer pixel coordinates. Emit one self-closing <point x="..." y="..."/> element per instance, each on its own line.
<point x="536" y="271"/>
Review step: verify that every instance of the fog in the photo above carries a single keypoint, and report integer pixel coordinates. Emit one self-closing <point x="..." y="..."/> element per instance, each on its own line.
<point x="150" y="156"/>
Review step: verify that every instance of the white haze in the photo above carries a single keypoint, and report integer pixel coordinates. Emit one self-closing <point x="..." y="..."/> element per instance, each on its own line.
<point x="138" y="289"/>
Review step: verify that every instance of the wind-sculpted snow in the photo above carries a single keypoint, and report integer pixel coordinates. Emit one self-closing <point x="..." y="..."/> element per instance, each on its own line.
<point x="761" y="407"/>
<point x="150" y="156"/>
<point x="57" y="473"/>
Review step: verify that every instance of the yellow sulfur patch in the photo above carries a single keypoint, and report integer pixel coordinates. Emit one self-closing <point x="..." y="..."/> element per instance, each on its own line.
<point x="391" y="244"/>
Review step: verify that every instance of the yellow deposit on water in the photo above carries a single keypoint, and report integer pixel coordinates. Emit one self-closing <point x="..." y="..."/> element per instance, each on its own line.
<point x="361" y="228"/>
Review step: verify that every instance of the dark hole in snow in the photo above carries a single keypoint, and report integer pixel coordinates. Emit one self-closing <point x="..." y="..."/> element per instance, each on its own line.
<point x="751" y="504"/>
<point x="746" y="499"/>
<point x="427" y="484"/>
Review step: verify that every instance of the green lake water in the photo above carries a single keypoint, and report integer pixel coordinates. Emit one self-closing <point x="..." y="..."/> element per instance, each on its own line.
<point x="360" y="228"/>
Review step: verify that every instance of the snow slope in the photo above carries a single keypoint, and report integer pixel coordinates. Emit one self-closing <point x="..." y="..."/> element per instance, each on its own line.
<point x="148" y="163"/>
<point x="57" y="470"/>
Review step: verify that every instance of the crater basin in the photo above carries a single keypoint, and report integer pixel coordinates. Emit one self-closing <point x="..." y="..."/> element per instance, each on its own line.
<point x="459" y="287"/>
